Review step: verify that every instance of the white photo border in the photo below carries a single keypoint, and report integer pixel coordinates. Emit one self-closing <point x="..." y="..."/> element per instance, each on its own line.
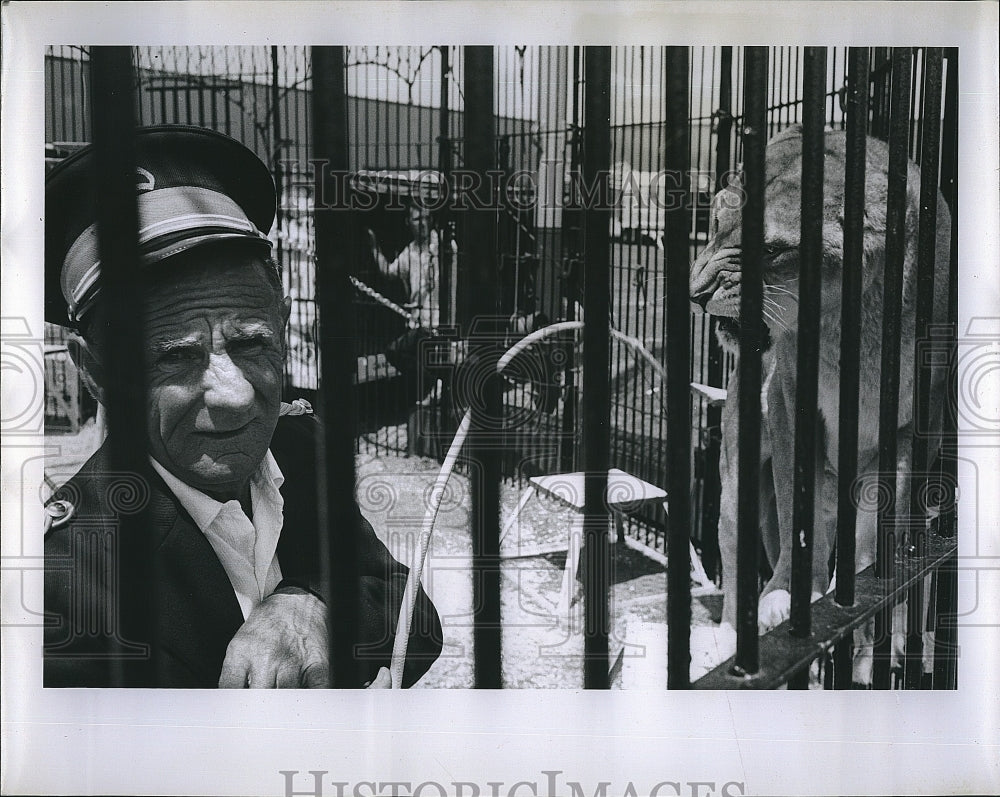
<point x="239" y="743"/>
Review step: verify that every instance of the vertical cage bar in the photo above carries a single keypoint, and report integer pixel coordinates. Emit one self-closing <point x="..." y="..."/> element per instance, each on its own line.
<point x="850" y="315"/>
<point x="945" y="626"/>
<point x="676" y="163"/>
<point x="946" y="604"/>
<point x="570" y="282"/>
<point x="949" y="188"/>
<point x="751" y="307"/>
<point x="337" y="512"/>
<point x="926" y="252"/>
<point x="807" y="365"/>
<point x="444" y="166"/>
<point x="482" y="295"/>
<point x="899" y="127"/>
<point x="850" y="341"/>
<point x="715" y="371"/>
<point x="122" y="351"/>
<point x="596" y="355"/>
<point x="276" y="148"/>
<point x="899" y="116"/>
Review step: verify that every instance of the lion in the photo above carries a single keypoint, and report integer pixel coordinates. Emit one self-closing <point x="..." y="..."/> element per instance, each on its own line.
<point x="715" y="285"/>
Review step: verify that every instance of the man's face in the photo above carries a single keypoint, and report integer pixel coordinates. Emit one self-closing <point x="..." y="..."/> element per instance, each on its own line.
<point x="419" y="221"/>
<point x="214" y="358"/>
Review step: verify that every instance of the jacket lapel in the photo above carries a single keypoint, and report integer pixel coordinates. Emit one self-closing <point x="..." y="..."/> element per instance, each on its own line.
<point x="198" y="611"/>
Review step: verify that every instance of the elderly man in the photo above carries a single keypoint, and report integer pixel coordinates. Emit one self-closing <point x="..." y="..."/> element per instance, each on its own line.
<point x="231" y="543"/>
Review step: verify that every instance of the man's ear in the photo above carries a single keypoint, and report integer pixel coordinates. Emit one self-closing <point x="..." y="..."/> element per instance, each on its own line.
<point x="85" y="358"/>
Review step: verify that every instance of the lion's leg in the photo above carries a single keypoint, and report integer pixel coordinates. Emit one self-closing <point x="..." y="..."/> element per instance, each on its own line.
<point x="775" y="600"/>
<point x="728" y="521"/>
<point x="728" y="515"/>
<point x="768" y="511"/>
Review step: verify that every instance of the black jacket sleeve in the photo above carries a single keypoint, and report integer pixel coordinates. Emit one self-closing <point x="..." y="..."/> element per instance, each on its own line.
<point x="382" y="579"/>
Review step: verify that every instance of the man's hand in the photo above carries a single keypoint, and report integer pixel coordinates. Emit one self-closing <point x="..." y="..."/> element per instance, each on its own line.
<point x="381" y="681"/>
<point x="282" y="644"/>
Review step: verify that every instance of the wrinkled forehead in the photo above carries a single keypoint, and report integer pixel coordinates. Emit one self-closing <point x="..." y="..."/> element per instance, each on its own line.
<point x="223" y="285"/>
<point x="235" y="301"/>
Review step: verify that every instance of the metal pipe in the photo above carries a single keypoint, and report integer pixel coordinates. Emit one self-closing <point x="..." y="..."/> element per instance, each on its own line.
<point x="596" y="357"/>
<point x="807" y="365"/>
<point x="751" y="341"/>
<point x="850" y="323"/>
<point x="676" y="162"/>
<point x="122" y="350"/>
<point x="481" y="295"/>
<point x="337" y="511"/>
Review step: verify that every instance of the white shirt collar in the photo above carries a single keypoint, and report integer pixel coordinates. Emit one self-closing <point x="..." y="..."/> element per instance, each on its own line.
<point x="247" y="550"/>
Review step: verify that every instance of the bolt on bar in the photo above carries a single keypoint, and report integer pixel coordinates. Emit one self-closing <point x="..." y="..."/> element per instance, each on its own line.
<point x="597" y="361"/>
<point x="481" y="294"/>
<point x="677" y="163"/>
<point x="926" y="251"/>
<point x="850" y="342"/>
<point x="807" y="366"/>
<point x="337" y="512"/>
<point x="751" y="309"/>
<point x="113" y="108"/>
<point x="899" y="123"/>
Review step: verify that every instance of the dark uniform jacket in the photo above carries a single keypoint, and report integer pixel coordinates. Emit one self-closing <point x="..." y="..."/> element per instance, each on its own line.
<point x="159" y="610"/>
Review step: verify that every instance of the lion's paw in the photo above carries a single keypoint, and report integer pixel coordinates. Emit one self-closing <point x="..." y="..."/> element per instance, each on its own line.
<point x="773" y="609"/>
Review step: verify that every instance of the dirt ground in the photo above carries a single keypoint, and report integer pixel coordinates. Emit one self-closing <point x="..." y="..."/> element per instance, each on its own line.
<point x="542" y="647"/>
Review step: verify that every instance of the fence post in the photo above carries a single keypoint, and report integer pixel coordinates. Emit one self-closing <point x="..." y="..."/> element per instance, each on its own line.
<point x="337" y="511"/>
